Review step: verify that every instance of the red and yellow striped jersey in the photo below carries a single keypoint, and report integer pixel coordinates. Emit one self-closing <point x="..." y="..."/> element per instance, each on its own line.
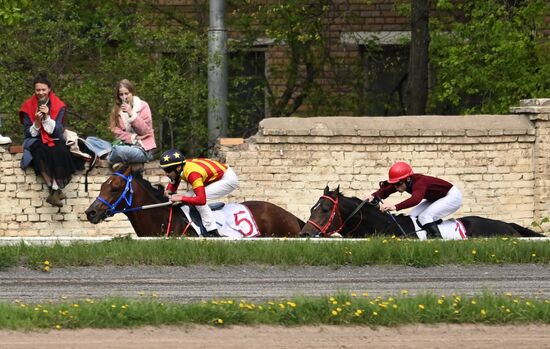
<point x="200" y="172"/>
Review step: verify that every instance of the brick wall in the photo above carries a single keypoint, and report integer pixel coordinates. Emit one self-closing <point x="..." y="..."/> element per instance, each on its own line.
<point x="500" y="162"/>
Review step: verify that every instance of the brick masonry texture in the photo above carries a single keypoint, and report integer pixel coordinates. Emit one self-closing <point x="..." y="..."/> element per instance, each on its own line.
<point x="500" y="162"/>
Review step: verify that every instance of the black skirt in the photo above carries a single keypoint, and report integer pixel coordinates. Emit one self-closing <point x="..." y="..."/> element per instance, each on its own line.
<point x="56" y="162"/>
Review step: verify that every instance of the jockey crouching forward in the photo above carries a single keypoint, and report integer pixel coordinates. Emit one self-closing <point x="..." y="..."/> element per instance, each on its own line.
<point x="433" y="197"/>
<point x="209" y="179"/>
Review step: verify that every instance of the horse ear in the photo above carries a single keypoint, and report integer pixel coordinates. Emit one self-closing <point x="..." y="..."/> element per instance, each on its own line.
<point x="326" y="190"/>
<point x="337" y="191"/>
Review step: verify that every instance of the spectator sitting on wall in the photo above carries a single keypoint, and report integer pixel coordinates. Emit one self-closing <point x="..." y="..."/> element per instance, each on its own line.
<point x="132" y="124"/>
<point x="43" y="116"/>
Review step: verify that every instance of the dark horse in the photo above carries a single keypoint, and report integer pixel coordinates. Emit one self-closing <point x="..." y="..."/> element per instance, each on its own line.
<point x="126" y="191"/>
<point x="335" y="213"/>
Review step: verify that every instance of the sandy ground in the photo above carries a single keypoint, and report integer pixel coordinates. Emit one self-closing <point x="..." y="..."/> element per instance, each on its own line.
<point x="263" y="337"/>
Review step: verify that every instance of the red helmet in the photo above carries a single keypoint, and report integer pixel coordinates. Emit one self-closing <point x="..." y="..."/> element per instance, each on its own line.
<point x="398" y="171"/>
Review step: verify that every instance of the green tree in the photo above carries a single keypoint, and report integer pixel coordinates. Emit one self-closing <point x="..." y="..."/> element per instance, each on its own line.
<point x="86" y="47"/>
<point x="488" y="55"/>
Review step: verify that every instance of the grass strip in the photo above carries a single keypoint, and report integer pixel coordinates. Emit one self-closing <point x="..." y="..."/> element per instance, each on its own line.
<point x="340" y="309"/>
<point x="378" y="251"/>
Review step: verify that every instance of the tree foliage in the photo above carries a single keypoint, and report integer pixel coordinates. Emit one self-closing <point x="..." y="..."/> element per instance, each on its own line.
<point x="489" y="54"/>
<point x="87" y="47"/>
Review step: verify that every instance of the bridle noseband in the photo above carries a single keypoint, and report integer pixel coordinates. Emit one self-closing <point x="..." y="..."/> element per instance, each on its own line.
<point x="127" y="195"/>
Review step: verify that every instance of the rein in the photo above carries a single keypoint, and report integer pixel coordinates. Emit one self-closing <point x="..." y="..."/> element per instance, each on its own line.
<point x="128" y="196"/>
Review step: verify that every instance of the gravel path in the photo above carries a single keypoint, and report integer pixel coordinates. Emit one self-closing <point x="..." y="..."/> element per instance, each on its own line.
<point x="257" y="283"/>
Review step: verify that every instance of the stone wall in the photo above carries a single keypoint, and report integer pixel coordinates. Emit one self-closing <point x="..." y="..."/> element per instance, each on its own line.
<point x="499" y="161"/>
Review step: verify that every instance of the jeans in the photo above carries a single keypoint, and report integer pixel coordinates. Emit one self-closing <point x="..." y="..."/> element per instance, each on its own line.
<point x="129" y="154"/>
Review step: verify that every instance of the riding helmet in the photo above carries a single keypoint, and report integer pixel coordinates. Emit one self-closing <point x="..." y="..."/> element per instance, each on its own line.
<point x="400" y="170"/>
<point x="171" y="158"/>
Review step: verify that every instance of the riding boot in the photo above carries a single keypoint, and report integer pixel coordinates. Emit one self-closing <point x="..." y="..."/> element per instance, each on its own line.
<point x="432" y="230"/>
<point x="212" y="234"/>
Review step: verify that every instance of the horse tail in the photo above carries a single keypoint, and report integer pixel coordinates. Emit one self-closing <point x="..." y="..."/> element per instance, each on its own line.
<point x="525" y="232"/>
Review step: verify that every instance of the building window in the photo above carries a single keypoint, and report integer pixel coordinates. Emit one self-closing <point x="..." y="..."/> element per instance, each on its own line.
<point x="384" y="60"/>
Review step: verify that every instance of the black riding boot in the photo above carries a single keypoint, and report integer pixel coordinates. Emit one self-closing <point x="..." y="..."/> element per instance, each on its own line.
<point x="212" y="234"/>
<point x="432" y="230"/>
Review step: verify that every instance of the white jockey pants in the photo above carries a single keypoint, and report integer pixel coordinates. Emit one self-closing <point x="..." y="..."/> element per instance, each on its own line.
<point x="216" y="190"/>
<point x="430" y="211"/>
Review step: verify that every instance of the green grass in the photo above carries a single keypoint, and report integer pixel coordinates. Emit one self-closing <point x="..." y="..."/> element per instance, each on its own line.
<point x="127" y="252"/>
<point x="341" y="309"/>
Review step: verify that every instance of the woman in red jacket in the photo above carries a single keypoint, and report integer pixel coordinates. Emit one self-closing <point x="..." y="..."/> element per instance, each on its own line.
<point x="433" y="198"/>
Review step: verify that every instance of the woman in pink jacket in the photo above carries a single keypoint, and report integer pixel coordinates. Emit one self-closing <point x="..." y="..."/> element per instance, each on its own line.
<point x="132" y="125"/>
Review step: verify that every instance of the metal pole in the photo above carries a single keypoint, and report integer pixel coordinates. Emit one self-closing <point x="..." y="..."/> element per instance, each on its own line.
<point x="217" y="74"/>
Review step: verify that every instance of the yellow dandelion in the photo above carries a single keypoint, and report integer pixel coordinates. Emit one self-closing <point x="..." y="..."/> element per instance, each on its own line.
<point x="436" y="251"/>
<point x="348" y="303"/>
<point x="365" y="294"/>
<point x="113" y="306"/>
<point x="440" y="301"/>
<point x="404" y="292"/>
<point x="57" y="327"/>
<point x="281" y="305"/>
<point x="507" y="310"/>
<point x="421" y="306"/>
<point x="46" y="268"/>
<point x="219" y="321"/>
<point x="46" y="263"/>
<point x="473" y="301"/>
<point x="338" y="309"/>
<point x="75" y="305"/>
<point x="374" y="313"/>
<point x="353" y="294"/>
<point x="334" y="313"/>
<point x="483" y="312"/>
<point x="474" y="252"/>
<point x="533" y="255"/>
<point x="394" y="306"/>
<point x="45" y="311"/>
<point x="291" y="304"/>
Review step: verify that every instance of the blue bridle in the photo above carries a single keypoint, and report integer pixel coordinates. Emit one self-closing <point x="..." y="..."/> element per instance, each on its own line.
<point x="127" y="195"/>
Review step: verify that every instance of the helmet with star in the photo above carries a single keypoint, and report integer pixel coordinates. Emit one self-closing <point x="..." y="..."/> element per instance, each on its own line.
<point x="171" y="158"/>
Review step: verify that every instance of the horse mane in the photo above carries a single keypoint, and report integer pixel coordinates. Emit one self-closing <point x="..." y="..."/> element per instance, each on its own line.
<point x="156" y="190"/>
<point x="137" y="172"/>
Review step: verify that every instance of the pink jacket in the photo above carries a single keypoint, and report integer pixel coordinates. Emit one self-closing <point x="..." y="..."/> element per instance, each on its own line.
<point x="139" y="129"/>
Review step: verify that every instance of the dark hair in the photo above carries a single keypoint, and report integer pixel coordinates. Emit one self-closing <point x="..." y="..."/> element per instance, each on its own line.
<point x="42" y="78"/>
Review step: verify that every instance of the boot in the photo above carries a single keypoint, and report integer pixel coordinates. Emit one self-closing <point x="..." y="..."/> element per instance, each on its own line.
<point x="432" y="230"/>
<point x="53" y="199"/>
<point x="212" y="234"/>
<point x="62" y="195"/>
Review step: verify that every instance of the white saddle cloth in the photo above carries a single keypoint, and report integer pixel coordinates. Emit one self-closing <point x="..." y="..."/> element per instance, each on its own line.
<point x="451" y="229"/>
<point x="233" y="220"/>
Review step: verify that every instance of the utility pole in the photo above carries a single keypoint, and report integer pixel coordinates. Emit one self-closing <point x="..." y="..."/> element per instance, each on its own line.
<point x="217" y="74"/>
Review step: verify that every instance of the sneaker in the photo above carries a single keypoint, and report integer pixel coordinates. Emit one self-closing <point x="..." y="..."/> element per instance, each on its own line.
<point x="117" y="166"/>
<point x="5" y="140"/>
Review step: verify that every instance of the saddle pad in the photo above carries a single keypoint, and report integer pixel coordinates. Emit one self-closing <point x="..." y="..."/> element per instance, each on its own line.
<point x="453" y="229"/>
<point x="233" y="220"/>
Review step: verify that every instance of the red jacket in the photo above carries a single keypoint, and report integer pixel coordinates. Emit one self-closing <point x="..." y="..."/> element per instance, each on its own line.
<point x="421" y="187"/>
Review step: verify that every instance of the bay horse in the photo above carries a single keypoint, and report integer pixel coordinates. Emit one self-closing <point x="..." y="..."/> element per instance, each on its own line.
<point x="126" y="191"/>
<point x="335" y="214"/>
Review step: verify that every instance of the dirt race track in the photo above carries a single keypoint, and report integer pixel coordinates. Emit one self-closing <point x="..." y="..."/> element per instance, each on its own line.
<point x="257" y="283"/>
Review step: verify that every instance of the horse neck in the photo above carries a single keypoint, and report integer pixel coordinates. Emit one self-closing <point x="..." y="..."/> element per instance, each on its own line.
<point x="150" y="222"/>
<point x="368" y="220"/>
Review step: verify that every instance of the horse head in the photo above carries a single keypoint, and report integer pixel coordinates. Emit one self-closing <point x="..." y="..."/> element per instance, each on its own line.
<point x="325" y="218"/>
<point x="116" y="193"/>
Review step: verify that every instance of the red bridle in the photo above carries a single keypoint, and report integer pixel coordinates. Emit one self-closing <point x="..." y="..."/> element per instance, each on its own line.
<point x="323" y="230"/>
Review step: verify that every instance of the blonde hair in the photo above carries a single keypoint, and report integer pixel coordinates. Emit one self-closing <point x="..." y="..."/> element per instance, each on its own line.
<point x="113" y="119"/>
